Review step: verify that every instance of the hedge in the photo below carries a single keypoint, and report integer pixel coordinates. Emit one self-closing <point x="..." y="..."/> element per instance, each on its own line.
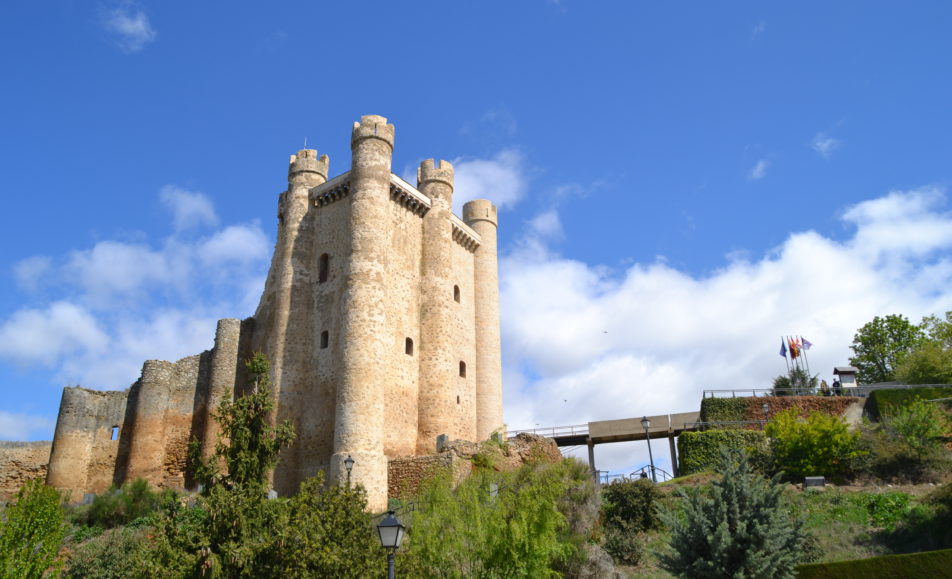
<point x="701" y="451"/>
<point x="723" y="409"/>
<point x="884" y="402"/>
<point x="751" y="408"/>
<point x="928" y="564"/>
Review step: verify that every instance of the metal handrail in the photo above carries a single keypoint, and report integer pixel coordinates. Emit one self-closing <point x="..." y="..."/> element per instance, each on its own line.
<point x="862" y="390"/>
<point x="554" y="431"/>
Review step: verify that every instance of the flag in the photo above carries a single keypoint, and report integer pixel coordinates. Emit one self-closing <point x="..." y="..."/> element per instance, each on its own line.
<point x="807" y="344"/>
<point x="783" y="348"/>
<point x="794" y="349"/>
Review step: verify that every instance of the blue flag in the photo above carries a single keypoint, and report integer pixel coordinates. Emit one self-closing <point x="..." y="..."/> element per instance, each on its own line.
<point x="783" y="348"/>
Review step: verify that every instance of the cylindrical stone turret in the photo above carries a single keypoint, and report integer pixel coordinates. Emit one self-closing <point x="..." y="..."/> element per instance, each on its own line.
<point x="221" y="382"/>
<point x="436" y="408"/>
<point x="71" y="454"/>
<point x="481" y="215"/>
<point x="366" y="336"/>
<point x="306" y="169"/>
<point x="147" y="444"/>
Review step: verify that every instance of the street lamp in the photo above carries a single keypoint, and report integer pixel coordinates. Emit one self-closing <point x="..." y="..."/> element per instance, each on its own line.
<point x="349" y="465"/>
<point x="647" y="424"/>
<point x="391" y="531"/>
<point x="766" y="409"/>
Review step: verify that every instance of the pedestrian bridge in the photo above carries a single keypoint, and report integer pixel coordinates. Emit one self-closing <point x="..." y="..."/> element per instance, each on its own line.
<point x="623" y="430"/>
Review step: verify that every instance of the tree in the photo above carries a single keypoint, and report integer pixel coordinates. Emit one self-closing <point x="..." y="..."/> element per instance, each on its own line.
<point x="797" y="381"/>
<point x="920" y="425"/>
<point x="739" y="527"/>
<point x="31" y="530"/>
<point x="931" y="361"/>
<point x="820" y="445"/>
<point x="881" y="345"/>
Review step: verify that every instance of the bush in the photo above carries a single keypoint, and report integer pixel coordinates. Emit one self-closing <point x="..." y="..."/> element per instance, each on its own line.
<point x="723" y="409"/>
<point x="117" y="553"/>
<point x="625" y="545"/>
<point x="700" y="451"/>
<point x="883" y="403"/>
<point x="740" y="527"/>
<point x="31" y="531"/>
<point x="820" y="445"/>
<point x="631" y="505"/>
<point x="121" y="506"/>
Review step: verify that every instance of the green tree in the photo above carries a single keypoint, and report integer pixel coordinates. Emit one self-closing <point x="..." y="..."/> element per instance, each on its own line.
<point x="796" y="381"/>
<point x="739" y="527"/>
<point x="920" y="425"/>
<point x="931" y="361"/>
<point x="493" y="524"/>
<point x="31" y="530"/>
<point x="820" y="445"/>
<point x="881" y="345"/>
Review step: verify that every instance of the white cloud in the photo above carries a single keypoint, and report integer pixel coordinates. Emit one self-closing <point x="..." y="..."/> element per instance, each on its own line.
<point x="237" y="243"/>
<point x="584" y="342"/>
<point x="29" y="272"/>
<point x="130" y="26"/>
<point x="547" y="225"/>
<point x="825" y="145"/>
<point x="14" y="426"/>
<point x="43" y="336"/>
<point x="501" y="179"/>
<point x="759" y="29"/>
<point x="759" y="170"/>
<point x="188" y="209"/>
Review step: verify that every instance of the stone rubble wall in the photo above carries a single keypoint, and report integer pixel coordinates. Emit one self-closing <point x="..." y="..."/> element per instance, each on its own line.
<point x="20" y="462"/>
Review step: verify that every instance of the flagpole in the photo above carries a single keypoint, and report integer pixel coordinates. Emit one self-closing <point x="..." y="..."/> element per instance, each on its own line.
<point x="803" y="352"/>
<point x="783" y="344"/>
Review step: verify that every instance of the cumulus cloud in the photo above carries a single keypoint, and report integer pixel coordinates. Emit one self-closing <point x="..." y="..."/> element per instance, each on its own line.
<point x="825" y="145"/>
<point x="759" y="170"/>
<point x="117" y="303"/>
<point x="501" y="179"/>
<point x="189" y="209"/>
<point x="130" y="26"/>
<point x="584" y="342"/>
<point x="14" y="426"/>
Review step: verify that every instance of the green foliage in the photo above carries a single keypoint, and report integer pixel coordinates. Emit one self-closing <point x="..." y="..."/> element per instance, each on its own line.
<point x="701" y="451"/>
<point x="632" y="505"/>
<point x="931" y="363"/>
<point x="723" y="409"/>
<point x="820" y="445"/>
<point x="886" y="509"/>
<point x="740" y="527"/>
<point x="248" y="445"/>
<point x="472" y="531"/>
<point x="884" y="403"/>
<point x="920" y="425"/>
<point x="120" y="507"/>
<point x="931" y="564"/>
<point x="123" y="552"/>
<point x="795" y="383"/>
<point x="31" y="531"/>
<point x="880" y="346"/>
<point x="625" y="544"/>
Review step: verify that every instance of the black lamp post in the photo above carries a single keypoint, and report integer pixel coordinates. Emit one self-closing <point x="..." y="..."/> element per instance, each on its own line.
<point x="766" y="409"/>
<point x="647" y="424"/>
<point x="349" y="465"/>
<point x="391" y="532"/>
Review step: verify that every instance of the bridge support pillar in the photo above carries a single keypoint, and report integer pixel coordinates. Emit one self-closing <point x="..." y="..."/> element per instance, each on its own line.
<point x="591" y="457"/>
<point x="674" y="457"/>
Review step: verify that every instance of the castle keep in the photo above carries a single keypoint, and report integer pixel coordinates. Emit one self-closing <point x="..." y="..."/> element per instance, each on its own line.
<point x="380" y="316"/>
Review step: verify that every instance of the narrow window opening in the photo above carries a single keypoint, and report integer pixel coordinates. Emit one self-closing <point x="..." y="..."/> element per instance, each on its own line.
<point x="457" y="399"/>
<point x="456" y="293"/>
<point x="322" y="267"/>
<point x="408" y="347"/>
<point x="115" y="433"/>
<point x="324" y="339"/>
<point x="462" y="369"/>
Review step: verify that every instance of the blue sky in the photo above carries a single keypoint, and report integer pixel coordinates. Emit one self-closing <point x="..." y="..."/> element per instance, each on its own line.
<point x="679" y="183"/>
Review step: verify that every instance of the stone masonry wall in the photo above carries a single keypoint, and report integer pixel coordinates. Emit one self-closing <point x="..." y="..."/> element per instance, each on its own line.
<point x="20" y="462"/>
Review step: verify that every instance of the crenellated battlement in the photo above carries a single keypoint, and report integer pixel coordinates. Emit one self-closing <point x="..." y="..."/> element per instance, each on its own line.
<point x="430" y="170"/>
<point x="372" y="127"/>
<point x="306" y="168"/>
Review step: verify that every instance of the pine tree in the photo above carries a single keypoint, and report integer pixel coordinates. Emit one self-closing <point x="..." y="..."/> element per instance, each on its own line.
<point x="739" y="528"/>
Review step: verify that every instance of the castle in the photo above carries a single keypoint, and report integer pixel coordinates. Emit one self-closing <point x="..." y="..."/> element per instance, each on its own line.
<point x="380" y="316"/>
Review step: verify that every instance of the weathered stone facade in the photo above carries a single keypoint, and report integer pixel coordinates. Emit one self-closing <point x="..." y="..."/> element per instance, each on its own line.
<point x="20" y="462"/>
<point x="380" y="316"/>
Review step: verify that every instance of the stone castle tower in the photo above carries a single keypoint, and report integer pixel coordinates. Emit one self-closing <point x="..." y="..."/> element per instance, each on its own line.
<point x="380" y="316"/>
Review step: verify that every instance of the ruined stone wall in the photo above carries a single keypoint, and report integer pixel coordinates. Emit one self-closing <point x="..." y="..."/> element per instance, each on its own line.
<point x="84" y="452"/>
<point x="20" y="462"/>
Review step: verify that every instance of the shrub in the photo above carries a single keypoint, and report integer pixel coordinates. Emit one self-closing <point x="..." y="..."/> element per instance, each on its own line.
<point x="723" y="409"/>
<point x="120" y="552"/>
<point x="820" y="445"/>
<point x="700" y="451"/>
<point x="625" y="544"/>
<point x="740" y="527"/>
<point x="31" y="531"/>
<point x="120" y="507"/>
<point x="883" y="403"/>
<point x="631" y="506"/>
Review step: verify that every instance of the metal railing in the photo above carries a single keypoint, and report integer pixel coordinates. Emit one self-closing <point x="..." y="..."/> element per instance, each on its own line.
<point x="862" y="390"/>
<point x="554" y="431"/>
<point x="661" y="475"/>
